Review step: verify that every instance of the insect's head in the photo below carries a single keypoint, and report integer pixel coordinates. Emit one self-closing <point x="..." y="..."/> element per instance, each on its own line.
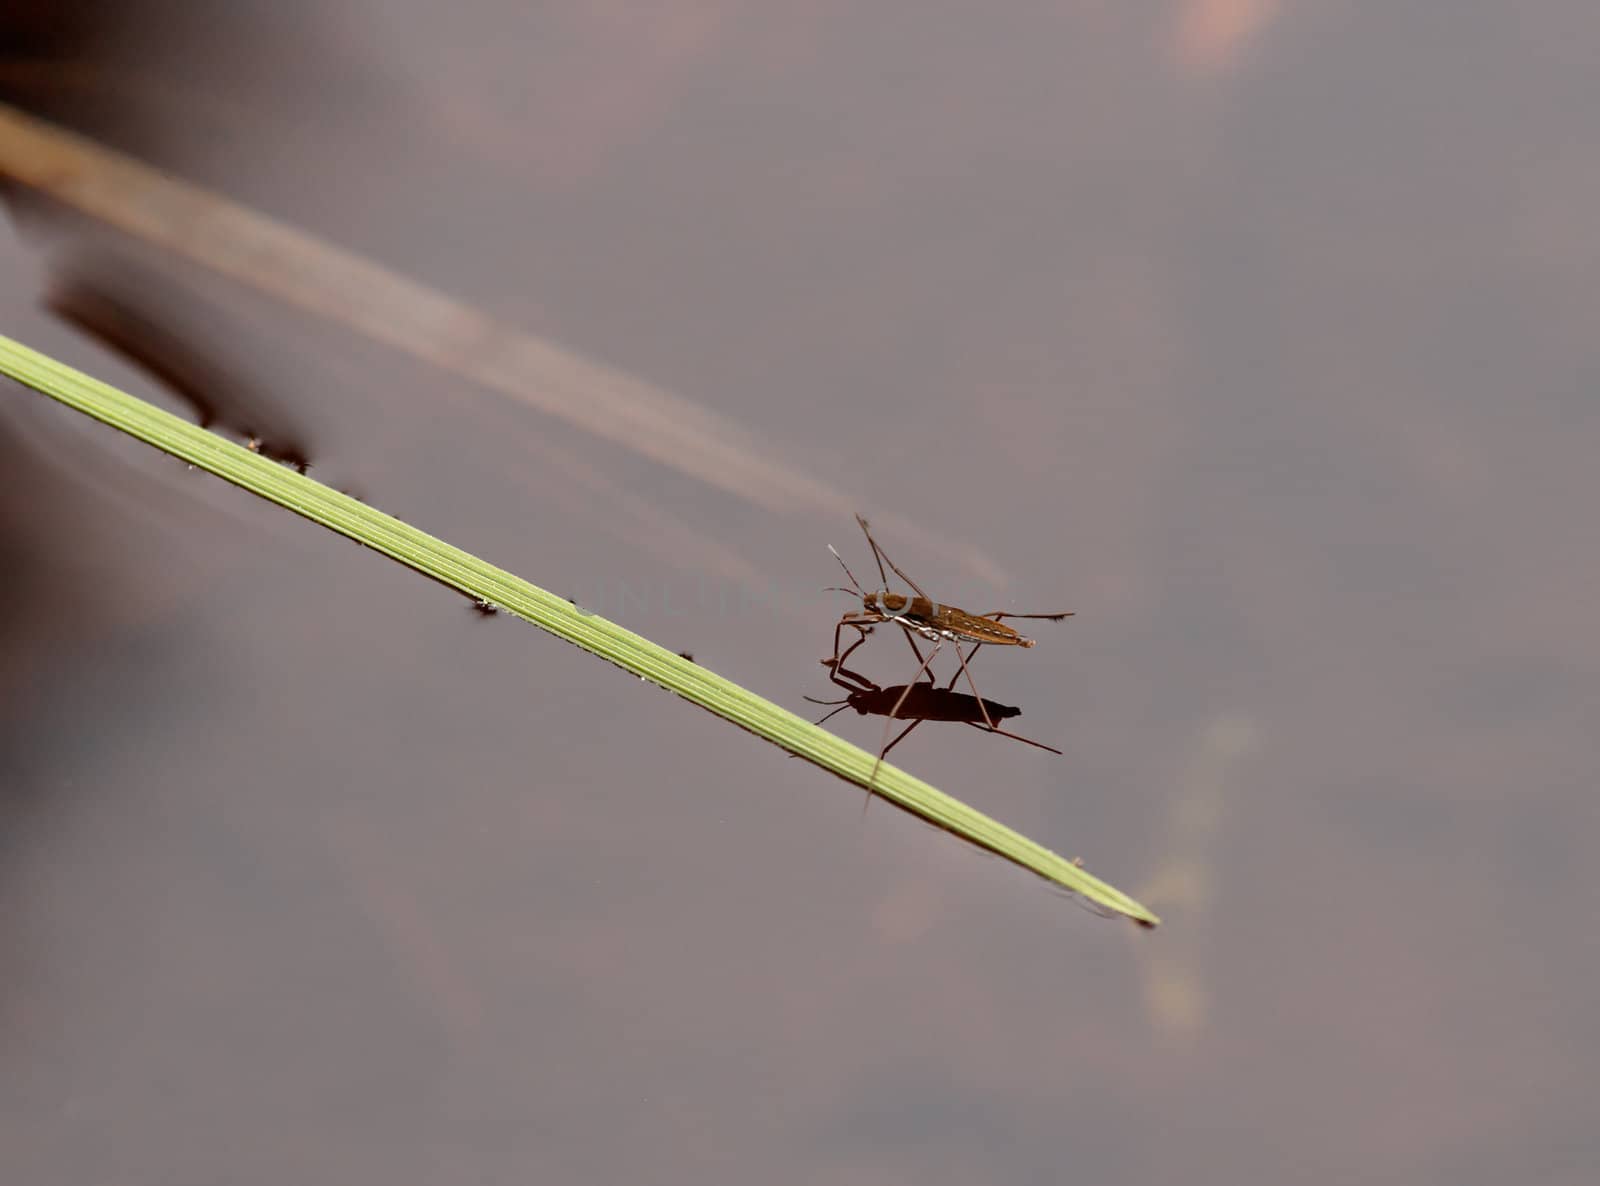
<point x="869" y="600"/>
<point x="874" y="601"/>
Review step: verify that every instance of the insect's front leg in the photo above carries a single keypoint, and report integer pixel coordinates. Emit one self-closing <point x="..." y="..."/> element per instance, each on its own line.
<point x="863" y="623"/>
<point x="852" y="681"/>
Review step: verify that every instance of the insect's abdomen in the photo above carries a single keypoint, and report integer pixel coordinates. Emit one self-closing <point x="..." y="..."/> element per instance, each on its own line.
<point x="985" y="630"/>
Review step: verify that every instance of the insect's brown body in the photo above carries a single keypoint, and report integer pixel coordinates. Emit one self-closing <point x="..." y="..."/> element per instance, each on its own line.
<point x="936" y="622"/>
<point x="920" y="615"/>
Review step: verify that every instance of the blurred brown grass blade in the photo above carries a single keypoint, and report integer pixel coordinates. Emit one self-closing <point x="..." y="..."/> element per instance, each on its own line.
<point x="382" y="305"/>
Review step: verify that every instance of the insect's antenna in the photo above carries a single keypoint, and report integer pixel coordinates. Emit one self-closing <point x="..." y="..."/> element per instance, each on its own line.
<point x="857" y="589"/>
<point x="876" y="553"/>
<point x="883" y="558"/>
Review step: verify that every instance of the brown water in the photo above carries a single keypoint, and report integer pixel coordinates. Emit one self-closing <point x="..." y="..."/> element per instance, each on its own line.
<point x="1259" y="335"/>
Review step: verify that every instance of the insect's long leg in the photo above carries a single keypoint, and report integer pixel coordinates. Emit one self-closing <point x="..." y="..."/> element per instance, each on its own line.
<point x="838" y="628"/>
<point x="965" y="670"/>
<point x="862" y="623"/>
<point x="898" y="704"/>
<point x="976" y="647"/>
<point x="836" y="665"/>
<point x="912" y="643"/>
<point x="851" y="681"/>
<point x="901" y="737"/>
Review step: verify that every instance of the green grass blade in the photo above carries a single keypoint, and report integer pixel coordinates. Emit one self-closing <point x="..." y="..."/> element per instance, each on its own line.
<point x="477" y="578"/>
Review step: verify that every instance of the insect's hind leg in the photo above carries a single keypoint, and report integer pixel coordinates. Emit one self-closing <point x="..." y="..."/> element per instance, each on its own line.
<point x="965" y="670"/>
<point x="862" y="628"/>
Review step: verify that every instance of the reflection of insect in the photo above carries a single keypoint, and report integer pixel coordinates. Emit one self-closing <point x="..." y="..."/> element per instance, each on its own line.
<point x="916" y="703"/>
<point x="129" y="313"/>
<point x="921" y="615"/>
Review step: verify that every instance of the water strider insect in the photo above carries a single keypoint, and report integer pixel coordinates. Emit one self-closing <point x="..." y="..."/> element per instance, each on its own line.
<point x="916" y="703"/>
<point x="934" y="622"/>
